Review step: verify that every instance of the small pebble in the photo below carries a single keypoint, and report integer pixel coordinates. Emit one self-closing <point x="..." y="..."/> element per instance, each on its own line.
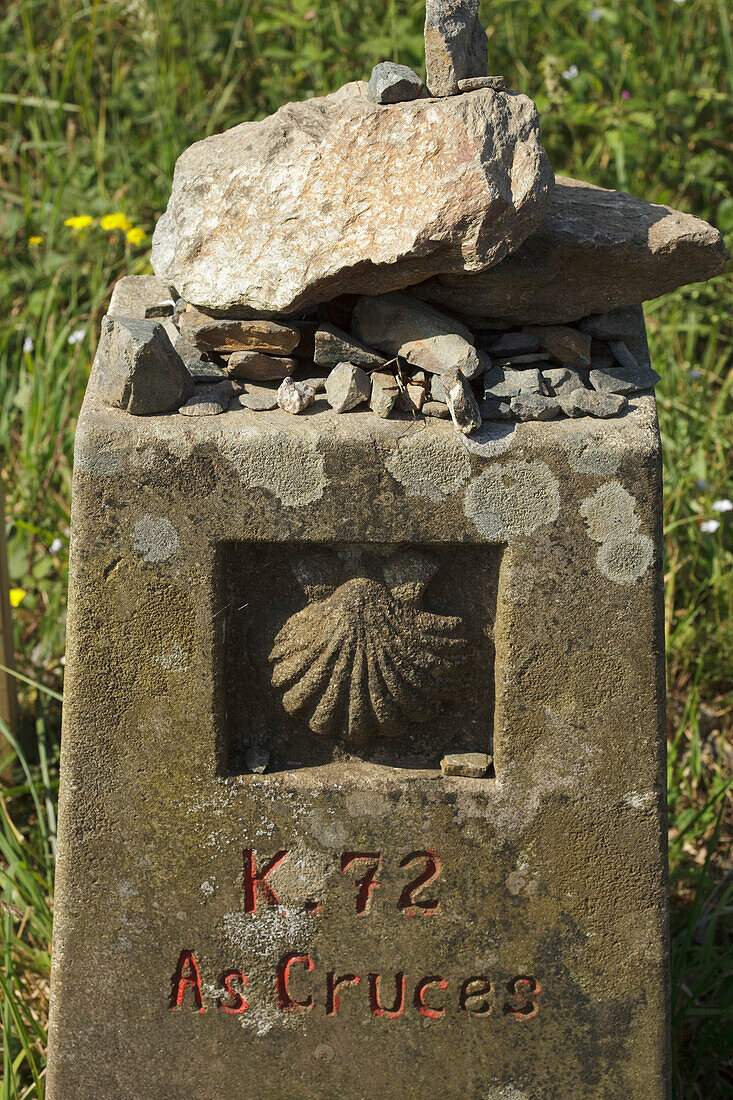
<point x="293" y="397"/>
<point x="385" y="393"/>
<point x="506" y="382"/>
<point x="473" y="765"/>
<point x="258" y="398"/>
<point x="492" y="408"/>
<point x="563" y="380"/>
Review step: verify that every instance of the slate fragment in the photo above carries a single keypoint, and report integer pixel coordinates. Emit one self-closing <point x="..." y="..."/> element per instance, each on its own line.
<point x="624" y="379"/>
<point x="333" y="346"/>
<point x="255" y="335"/>
<point x="535" y="406"/>
<point x="596" y="250"/>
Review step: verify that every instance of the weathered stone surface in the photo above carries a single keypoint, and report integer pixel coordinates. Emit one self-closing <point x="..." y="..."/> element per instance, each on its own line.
<point x="473" y="83"/>
<point x="138" y="369"/>
<point x="506" y="382"/>
<point x="591" y="403"/>
<point x="474" y="765"/>
<point x="295" y="397"/>
<point x="461" y="401"/>
<point x="565" y="345"/>
<point x="437" y="389"/>
<point x="392" y="83"/>
<point x="192" y="551"/>
<point x="133" y="294"/>
<point x="275" y="215"/>
<point x="255" y="335"/>
<point x="332" y="346"/>
<point x="347" y="386"/>
<point x="534" y="406"/>
<point x="595" y="251"/>
<point x="257" y="367"/>
<point x="563" y="380"/>
<point x="385" y="392"/>
<point x="624" y="379"/>
<point x="455" y="44"/>
<point x="258" y="398"/>
<point x="399" y="324"/>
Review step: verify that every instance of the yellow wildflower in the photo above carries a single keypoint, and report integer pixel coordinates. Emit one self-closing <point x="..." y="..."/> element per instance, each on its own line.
<point x="115" y="221"/>
<point x="35" y="240"/>
<point x="80" y="221"/>
<point x="136" y="236"/>
<point x="17" y="595"/>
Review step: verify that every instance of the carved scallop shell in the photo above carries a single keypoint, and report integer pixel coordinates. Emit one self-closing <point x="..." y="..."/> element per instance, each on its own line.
<point x="366" y="659"/>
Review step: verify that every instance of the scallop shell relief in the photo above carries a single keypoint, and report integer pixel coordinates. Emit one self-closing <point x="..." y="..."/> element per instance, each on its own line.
<point x="363" y="658"/>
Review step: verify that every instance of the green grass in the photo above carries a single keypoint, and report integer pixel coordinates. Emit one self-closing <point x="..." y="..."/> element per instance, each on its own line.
<point x="97" y="99"/>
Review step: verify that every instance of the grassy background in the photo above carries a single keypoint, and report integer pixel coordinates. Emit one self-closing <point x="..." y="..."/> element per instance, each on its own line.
<point x="97" y="99"/>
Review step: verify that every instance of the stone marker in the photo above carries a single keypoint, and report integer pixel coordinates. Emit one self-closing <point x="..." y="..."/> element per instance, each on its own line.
<point x="345" y="601"/>
<point x="306" y="197"/>
<point x="137" y="368"/>
<point x="596" y="250"/>
<point x="455" y="44"/>
<point x="392" y="83"/>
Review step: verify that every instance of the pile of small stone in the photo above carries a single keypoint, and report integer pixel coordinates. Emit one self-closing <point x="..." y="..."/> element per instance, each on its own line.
<point x="397" y="355"/>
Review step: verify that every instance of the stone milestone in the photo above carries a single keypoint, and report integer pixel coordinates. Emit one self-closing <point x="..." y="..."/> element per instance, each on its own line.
<point x="595" y="251"/>
<point x="306" y="197"/>
<point x="456" y="47"/>
<point x="362" y="778"/>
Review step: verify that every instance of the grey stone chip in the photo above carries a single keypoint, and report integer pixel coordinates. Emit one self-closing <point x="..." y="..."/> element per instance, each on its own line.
<point x="392" y="83"/>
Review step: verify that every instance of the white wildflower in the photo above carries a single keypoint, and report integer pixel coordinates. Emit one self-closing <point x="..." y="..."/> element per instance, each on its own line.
<point x="595" y="15"/>
<point x="28" y="345"/>
<point x="709" y="526"/>
<point x="55" y="546"/>
<point x="724" y="505"/>
<point x="77" y="336"/>
<point x="571" y="72"/>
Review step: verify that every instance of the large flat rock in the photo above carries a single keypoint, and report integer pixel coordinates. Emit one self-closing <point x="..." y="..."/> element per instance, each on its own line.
<point x="596" y="250"/>
<point x="340" y="194"/>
